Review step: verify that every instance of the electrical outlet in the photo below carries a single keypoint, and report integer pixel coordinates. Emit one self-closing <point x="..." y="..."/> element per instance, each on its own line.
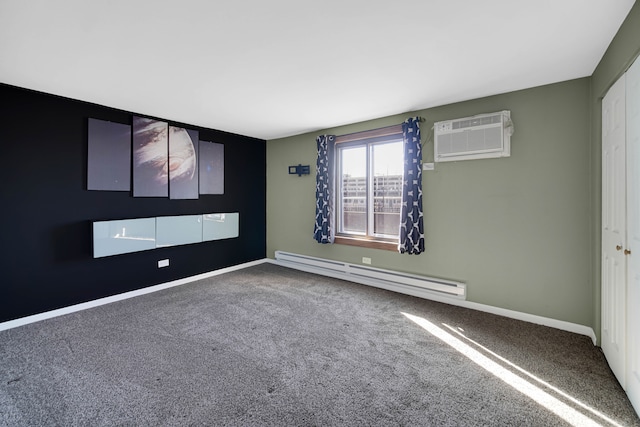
<point x="163" y="263"/>
<point x="366" y="260"/>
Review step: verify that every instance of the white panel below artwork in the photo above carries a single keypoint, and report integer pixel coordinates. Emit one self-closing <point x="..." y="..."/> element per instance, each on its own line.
<point x="123" y="236"/>
<point x="220" y="226"/>
<point x="141" y="234"/>
<point x="178" y="230"/>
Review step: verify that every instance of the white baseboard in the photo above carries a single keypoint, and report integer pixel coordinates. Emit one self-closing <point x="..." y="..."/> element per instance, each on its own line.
<point x="107" y="300"/>
<point x="531" y="318"/>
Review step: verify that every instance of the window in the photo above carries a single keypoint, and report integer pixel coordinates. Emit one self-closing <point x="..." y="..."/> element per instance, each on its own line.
<point x="368" y="189"/>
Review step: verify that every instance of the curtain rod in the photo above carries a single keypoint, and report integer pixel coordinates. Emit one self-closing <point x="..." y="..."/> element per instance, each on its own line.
<point x="383" y="131"/>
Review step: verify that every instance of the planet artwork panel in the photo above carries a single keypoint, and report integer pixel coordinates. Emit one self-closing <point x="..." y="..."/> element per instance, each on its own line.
<point x="108" y="156"/>
<point x="211" y="168"/>
<point x="150" y="158"/>
<point x="183" y="163"/>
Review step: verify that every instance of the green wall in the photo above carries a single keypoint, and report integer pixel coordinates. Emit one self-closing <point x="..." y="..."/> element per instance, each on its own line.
<point x="516" y="229"/>
<point x="622" y="51"/>
<point x="523" y="232"/>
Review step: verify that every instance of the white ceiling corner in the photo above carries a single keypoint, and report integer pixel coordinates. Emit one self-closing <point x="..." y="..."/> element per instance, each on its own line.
<point x="285" y="67"/>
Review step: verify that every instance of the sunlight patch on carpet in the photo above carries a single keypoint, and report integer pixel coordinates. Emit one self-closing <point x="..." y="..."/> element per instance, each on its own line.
<point x="535" y="378"/>
<point x="525" y="387"/>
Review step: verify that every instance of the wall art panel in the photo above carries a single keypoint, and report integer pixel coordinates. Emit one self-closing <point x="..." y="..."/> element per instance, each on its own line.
<point x="211" y="168"/>
<point x="108" y="156"/>
<point x="183" y="163"/>
<point x="150" y="158"/>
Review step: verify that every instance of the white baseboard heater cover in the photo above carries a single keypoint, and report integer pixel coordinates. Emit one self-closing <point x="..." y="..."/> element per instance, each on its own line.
<point x="410" y="284"/>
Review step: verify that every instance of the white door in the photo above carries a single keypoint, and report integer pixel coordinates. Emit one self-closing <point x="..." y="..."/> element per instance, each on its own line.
<point x="633" y="234"/>
<point x="613" y="315"/>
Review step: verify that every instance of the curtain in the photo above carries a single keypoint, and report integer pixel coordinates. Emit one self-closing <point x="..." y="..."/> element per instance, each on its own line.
<point x="411" y="218"/>
<point x="323" y="231"/>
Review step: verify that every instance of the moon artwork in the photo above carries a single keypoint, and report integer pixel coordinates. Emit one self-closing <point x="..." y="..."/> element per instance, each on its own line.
<point x="183" y="164"/>
<point x="150" y="158"/>
<point x="165" y="160"/>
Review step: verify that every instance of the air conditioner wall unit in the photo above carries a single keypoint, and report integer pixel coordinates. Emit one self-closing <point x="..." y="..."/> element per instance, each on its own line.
<point x="478" y="137"/>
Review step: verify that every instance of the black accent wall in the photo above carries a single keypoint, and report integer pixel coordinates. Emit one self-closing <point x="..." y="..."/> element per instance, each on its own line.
<point x="46" y="213"/>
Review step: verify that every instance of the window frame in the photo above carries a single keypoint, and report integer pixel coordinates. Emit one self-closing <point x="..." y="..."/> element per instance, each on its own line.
<point x="367" y="139"/>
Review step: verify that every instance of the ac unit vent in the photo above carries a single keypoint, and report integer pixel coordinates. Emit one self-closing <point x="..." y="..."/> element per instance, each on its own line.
<point x="478" y="137"/>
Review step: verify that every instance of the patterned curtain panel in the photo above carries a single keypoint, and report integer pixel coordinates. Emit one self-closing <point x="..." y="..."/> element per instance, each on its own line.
<point x="323" y="230"/>
<point x="411" y="217"/>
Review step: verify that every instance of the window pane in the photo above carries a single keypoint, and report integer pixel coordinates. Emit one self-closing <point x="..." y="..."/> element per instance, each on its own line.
<point x="387" y="187"/>
<point x="353" y="184"/>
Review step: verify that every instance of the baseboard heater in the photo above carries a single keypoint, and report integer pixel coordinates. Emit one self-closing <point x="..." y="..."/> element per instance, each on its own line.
<point x="410" y="284"/>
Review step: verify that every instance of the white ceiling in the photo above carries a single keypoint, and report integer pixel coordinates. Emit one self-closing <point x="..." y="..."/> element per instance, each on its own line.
<point x="270" y="69"/>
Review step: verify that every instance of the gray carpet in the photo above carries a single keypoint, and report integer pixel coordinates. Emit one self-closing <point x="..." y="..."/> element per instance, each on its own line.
<point x="273" y="346"/>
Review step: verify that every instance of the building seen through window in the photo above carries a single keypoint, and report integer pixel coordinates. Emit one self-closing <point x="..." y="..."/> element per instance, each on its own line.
<point x="370" y="188"/>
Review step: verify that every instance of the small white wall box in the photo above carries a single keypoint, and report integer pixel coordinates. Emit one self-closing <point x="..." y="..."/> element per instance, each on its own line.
<point x="478" y="137"/>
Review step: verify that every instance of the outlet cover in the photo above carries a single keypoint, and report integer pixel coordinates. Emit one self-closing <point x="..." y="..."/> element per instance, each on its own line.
<point x="163" y="263"/>
<point x="366" y="260"/>
<point x="428" y="166"/>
